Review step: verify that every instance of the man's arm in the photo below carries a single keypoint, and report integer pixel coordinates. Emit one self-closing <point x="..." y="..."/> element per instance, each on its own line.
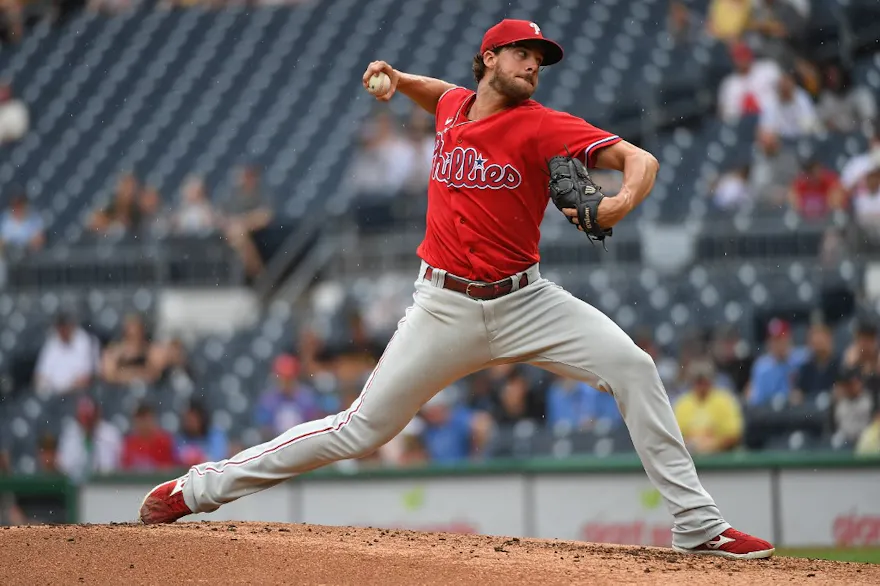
<point x="639" y="169"/>
<point x="424" y="91"/>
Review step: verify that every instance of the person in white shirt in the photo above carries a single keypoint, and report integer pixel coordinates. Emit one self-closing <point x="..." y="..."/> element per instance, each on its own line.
<point x="194" y="214"/>
<point x="857" y="167"/>
<point x="14" y="116"/>
<point x="732" y="190"/>
<point x="749" y="88"/>
<point x="866" y="201"/>
<point x="67" y="360"/>
<point x="88" y="444"/>
<point x="791" y="114"/>
<point x="844" y="106"/>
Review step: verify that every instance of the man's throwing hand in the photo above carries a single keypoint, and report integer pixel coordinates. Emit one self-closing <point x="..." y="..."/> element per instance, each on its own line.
<point x="375" y="68"/>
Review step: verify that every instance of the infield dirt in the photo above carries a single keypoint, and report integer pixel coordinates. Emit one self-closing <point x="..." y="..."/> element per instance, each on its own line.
<point x="261" y="553"/>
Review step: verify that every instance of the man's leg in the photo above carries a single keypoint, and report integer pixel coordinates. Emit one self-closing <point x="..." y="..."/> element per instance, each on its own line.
<point x="441" y="339"/>
<point x="548" y="327"/>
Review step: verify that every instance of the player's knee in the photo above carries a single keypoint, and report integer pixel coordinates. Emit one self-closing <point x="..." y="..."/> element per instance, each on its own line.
<point x="638" y="367"/>
<point x="360" y="437"/>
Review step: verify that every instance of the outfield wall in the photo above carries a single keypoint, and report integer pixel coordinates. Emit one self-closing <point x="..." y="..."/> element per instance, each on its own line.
<point x="797" y="500"/>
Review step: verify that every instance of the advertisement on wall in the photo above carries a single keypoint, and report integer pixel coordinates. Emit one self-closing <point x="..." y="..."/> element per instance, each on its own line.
<point x="492" y="506"/>
<point x="627" y="509"/>
<point x="827" y="508"/>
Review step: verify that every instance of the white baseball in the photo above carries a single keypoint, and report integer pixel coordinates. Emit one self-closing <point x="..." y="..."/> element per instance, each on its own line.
<point x="379" y="84"/>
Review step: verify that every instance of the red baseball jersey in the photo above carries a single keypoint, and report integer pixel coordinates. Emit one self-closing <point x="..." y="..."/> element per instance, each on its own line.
<point x="488" y="188"/>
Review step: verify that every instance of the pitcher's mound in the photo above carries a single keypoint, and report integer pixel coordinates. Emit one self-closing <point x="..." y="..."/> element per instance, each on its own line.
<point x="261" y="553"/>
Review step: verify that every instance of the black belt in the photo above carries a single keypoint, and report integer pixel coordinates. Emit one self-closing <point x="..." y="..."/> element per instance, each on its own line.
<point x="477" y="289"/>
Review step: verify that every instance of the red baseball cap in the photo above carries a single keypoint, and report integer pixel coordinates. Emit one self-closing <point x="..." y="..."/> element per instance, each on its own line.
<point x="512" y="31"/>
<point x="741" y="52"/>
<point x="286" y="365"/>
<point x="778" y="328"/>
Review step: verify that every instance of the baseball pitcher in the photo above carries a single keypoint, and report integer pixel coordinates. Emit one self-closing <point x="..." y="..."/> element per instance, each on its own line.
<point x="480" y="299"/>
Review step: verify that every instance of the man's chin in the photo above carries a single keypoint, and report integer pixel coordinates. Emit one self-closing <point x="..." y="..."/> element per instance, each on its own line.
<point x="519" y="95"/>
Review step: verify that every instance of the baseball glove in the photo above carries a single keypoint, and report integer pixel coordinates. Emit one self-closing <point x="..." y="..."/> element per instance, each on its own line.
<point x="572" y="187"/>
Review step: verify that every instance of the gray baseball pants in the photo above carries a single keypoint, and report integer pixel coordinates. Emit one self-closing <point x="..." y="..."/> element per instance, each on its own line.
<point x="445" y="336"/>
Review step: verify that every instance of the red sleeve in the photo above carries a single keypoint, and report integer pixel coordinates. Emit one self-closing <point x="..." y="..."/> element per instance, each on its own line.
<point x="448" y="104"/>
<point x="559" y="131"/>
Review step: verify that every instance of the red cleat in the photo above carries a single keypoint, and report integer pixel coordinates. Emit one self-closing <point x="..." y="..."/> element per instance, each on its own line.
<point x="164" y="504"/>
<point x="733" y="544"/>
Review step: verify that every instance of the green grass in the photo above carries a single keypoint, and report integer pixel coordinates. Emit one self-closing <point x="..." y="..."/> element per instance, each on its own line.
<point x="869" y="555"/>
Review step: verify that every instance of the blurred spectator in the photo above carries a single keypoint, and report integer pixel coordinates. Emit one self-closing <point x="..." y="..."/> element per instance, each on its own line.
<point x="148" y="447"/>
<point x="245" y="213"/>
<point x="518" y="402"/>
<point x="820" y="371"/>
<point x="11" y="27"/>
<point x="863" y="355"/>
<point x="10" y="512"/>
<point x="380" y="170"/>
<point x="790" y="113"/>
<point x="287" y="402"/>
<point x="68" y="359"/>
<point x="816" y="191"/>
<point x="727" y="19"/>
<point x="123" y="214"/>
<point x="843" y="107"/>
<point x="47" y="454"/>
<point x="774" y="371"/>
<point x="750" y="87"/>
<point x="580" y="406"/>
<point x="198" y="441"/>
<point x="869" y="441"/>
<point x="710" y="418"/>
<point x="14" y="114"/>
<point x="732" y="191"/>
<point x="774" y="168"/>
<point x="413" y="451"/>
<point x="154" y="219"/>
<point x="682" y="24"/>
<point x="453" y="433"/>
<point x="855" y="170"/>
<point x="853" y="407"/>
<point x="866" y="201"/>
<point x="421" y="136"/>
<point x="20" y="227"/>
<point x="833" y="249"/>
<point x="111" y="7"/>
<point x="133" y="357"/>
<point x="195" y="214"/>
<point x="732" y="357"/>
<point x="172" y="364"/>
<point x="88" y="444"/>
<point x="776" y="28"/>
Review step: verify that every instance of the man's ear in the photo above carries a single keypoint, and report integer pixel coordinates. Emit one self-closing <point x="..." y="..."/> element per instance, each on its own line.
<point x="489" y="59"/>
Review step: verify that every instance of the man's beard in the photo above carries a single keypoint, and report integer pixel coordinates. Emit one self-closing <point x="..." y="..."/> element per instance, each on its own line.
<point x="508" y="87"/>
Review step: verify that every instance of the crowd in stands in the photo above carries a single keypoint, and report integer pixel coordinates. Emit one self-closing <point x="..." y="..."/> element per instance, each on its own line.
<point x="138" y="210"/>
<point x="715" y="382"/>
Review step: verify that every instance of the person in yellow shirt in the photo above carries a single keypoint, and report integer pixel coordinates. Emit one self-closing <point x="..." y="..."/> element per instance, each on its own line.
<point x="727" y="19"/>
<point x="869" y="441"/>
<point x="710" y="418"/>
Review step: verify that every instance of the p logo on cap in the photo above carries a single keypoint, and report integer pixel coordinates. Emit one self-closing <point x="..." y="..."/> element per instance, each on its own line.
<point x="510" y="31"/>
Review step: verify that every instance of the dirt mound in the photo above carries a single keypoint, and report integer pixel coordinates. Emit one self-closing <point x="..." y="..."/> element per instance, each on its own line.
<point x="260" y="553"/>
